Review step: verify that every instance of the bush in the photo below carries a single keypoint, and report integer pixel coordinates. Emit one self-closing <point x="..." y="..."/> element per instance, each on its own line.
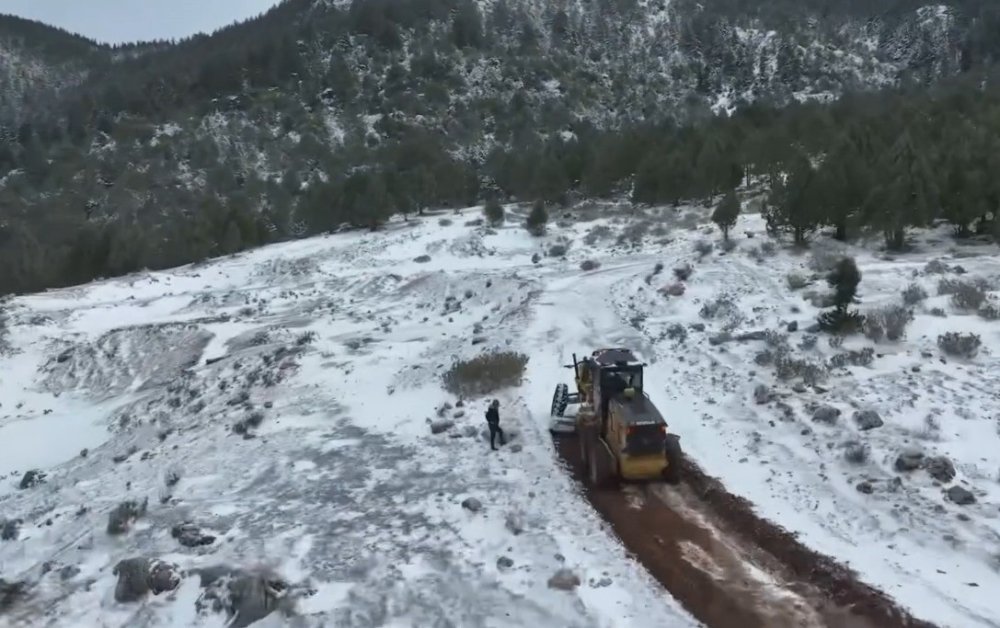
<point x="889" y="322"/>
<point x="683" y="272"/>
<point x="537" y="219"/>
<point x="485" y="373"/>
<point x="865" y="357"/>
<point x="841" y="322"/>
<point x="557" y="250"/>
<point x="989" y="312"/>
<point x="936" y="311"/>
<point x="589" y="264"/>
<point x="445" y="222"/>
<point x="634" y="232"/>
<point x="824" y="257"/>
<point x="493" y="211"/>
<point x="788" y="367"/>
<point x="596" y="234"/>
<point x="796" y="281"/>
<point x="936" y="267"/>
<point x="913" y="294"/>
<point x="965" y="295"/>
<point x="703" y="247"/>
<point x="959" y="345"/>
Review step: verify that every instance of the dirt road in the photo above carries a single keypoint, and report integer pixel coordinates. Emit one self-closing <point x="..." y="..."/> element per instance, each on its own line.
<point x="727" y="566"/>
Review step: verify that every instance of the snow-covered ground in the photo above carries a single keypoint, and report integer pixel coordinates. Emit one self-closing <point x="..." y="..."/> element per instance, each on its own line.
<point x="308" y="448"/>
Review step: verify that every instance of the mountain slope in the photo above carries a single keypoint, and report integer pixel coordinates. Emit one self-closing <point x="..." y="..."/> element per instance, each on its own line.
<point x="321" y="113"/>
<point x="288" y="403"/>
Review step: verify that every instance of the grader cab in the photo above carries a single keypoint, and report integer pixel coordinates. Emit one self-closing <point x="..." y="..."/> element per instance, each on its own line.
<point x="621" y="432"/>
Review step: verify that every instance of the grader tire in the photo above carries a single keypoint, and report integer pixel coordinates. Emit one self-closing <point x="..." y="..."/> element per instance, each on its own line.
<point x="560" y="399"/>
<point x="600" y="467"/>
<point x="672" y="449"/>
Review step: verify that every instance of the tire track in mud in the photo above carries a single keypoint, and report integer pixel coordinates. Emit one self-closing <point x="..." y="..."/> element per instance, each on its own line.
<point x="727" y="566"/>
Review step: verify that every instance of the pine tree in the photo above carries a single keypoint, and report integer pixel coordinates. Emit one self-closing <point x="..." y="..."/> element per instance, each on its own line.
<point x="493" y="211"/>
<point x="844" y="280"/>
<point x="537" y="218"/>
<point x="726" y="213"/>
<point x="794" y="205"/>
<point x="906" y="194"/>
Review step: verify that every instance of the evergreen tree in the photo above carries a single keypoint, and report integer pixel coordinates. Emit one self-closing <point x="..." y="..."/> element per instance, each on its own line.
<point x="493" y="211"/>
<point x="726" y="213"/>
<point x="537" y="218"/>
<point x="794" y="205"/>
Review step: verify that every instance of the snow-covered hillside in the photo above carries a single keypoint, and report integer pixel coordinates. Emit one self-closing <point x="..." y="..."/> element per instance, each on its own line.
<point x="286" y="405"/>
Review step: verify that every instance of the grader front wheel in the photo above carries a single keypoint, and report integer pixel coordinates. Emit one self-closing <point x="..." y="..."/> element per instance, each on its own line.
<point x="560" y="399"/>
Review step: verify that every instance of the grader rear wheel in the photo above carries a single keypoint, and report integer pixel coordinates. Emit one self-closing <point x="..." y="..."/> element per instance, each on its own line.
<point x="675" y="456"/>
<point x="599" y="466"/>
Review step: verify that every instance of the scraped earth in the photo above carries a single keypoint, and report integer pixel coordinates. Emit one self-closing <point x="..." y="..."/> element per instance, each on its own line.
<point x="278" y="417"/>
<point x="727" y="566"/>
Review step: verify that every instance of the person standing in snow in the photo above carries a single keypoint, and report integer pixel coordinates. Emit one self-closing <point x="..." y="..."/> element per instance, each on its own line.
<point x="493" y="420"/>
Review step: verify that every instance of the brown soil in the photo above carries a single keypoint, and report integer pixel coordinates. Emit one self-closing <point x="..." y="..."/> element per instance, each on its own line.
<point x="727" y="566"/>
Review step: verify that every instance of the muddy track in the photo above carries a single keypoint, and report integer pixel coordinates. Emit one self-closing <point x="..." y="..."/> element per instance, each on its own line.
<point x="727" y="566"/>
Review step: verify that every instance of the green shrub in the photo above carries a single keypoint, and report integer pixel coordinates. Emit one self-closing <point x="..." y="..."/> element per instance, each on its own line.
<point x="486" y="373"/>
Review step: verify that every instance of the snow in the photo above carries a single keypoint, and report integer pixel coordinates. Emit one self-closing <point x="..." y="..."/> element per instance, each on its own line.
<point x="345" y="488"/>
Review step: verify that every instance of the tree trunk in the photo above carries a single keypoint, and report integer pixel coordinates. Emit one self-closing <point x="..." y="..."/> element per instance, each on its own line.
<point x="895" y="238"/>
<point x="841" y="234"/>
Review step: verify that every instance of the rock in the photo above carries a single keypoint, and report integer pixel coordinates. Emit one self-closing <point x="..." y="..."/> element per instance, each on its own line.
<point x="31" y="478"/>
<point x="868" y="420"/>
<point x="515" y="448"/>
<point x="138" y="576"/>
<point x="69" y="572"/>
<point x="909" y="461"/>
<point x="504" y="563"/>
<point x="752" y="336"/>
<point x="865" y="487"/>
<point x="124" y="514"/>
<point x="603" y="582"/>
<point x="698" y="326"/>
<point x="940" y="468"/>
<point x="960" y="496"/>
<point x="826" y="414"/>
<point x="478" y="340"/>
<point x="564" y="580"/>
<point x="422" y="259"/>
<point x="673" y="290"/>
<point x="245" y="597"/>
<point x="163" y="577"/>
<point x="536" y="258"/>
<point x="793" y="326"/>
<point x="10" y="529"/>
<point x="799" y="387"/>
<point x="190" y="535"/>
<point x="458" y="414"/>
<point x="442" y="425"/>
<point x="761" y="394"/>
<point x="472" y="504"/>
<point x="514" y="523"/>
<point x="719" y="339"/>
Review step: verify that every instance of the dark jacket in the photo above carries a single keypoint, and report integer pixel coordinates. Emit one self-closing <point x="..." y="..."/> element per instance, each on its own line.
<point x="493" y="416"/>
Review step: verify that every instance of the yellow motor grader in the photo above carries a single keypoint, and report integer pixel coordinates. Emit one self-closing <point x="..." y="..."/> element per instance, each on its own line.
<point x="622" y="434"/>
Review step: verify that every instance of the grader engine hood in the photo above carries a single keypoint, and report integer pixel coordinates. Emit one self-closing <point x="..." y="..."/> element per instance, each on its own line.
<point x="637" y="410"/>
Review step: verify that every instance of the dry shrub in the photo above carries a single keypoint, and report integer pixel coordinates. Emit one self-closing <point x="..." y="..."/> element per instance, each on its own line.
<point x="486" y="373"/>
<point x="959" y="345"/>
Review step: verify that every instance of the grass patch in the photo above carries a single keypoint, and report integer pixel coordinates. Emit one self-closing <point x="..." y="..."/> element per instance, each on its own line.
<point x="485" y="374"/>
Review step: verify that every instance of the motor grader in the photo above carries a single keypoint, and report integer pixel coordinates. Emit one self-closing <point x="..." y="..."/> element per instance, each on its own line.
<point x="622" y="434"/>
